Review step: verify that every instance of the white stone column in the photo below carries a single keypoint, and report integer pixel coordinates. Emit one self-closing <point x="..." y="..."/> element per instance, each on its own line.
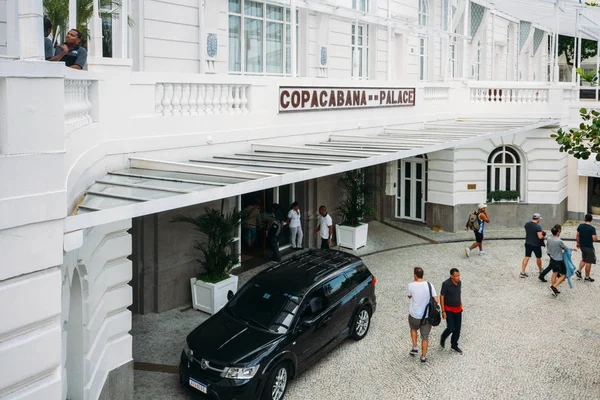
<point x="556" y="69"/>
<point x="466" y="61"/>
<point x="13" y="43"/>
<point x="72" y="14"/>
<point x="597" y="65"/>
<point x="294" y="39"/>
<point x="203" y="38"/>
<point x="31" y="29"/>
<point x="95" y="42"/>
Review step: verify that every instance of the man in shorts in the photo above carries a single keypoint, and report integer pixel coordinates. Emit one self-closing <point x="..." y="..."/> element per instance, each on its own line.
<point x="418" y="293"/>
<point x="482" y="218"/>
<point x="533" y="243"/>
<point x="586" y="236"/>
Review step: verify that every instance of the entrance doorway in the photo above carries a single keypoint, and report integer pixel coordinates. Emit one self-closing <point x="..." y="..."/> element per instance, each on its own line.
<point x="257" y="208"/>
<point x="412" y="188"/>
<point x="593" y="198"/>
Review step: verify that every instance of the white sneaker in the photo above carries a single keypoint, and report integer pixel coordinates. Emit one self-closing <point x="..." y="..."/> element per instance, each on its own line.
<point x="468" y="251"/>
<point x="481" y="252"/>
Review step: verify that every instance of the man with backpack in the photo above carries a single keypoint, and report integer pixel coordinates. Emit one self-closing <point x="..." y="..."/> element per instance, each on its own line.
<point x="476" y="223"/>
<point x="273" y="231"/>
<point x="421" y="293"/>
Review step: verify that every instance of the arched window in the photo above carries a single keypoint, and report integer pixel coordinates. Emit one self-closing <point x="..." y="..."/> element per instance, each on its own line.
<point x="504" y="170"/>
<point x="423" y="12"/>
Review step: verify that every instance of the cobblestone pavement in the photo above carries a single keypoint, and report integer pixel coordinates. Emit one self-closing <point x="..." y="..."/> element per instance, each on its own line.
<point x="519" y="341"/>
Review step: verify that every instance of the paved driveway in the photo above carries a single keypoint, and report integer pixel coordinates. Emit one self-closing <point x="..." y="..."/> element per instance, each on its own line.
<point x="519" y="341"/>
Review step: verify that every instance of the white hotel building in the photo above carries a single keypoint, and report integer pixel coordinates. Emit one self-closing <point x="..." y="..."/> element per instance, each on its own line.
<point x="441" y="101"/>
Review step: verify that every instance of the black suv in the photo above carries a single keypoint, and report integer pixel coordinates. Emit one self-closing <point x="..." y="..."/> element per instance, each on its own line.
<point x="278" y="324"/>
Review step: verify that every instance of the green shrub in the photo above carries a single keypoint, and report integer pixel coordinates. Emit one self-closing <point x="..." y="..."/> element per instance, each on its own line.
<point x="219" y="230"/>
<point x="498" y="195"/>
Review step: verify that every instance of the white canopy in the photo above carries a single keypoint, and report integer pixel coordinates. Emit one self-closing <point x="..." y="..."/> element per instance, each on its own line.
<point x="544" y="13"/>
<point x="151" y="185"/>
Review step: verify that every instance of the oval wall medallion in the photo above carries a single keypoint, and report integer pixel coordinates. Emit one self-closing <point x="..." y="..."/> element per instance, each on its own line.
<point x="323" y="55"/>
<point x="212" y="44"/>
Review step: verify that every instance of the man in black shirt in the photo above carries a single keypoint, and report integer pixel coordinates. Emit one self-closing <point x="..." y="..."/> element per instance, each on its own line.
<point x="273" y="231"/>
<point x="71" y="53"/>
<point x="452" y="309"/>
<point x="586" y="236"/>
<point x="533" y="243"/>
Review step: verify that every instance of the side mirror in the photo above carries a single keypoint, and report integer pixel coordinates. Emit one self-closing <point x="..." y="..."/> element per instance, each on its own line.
<point x="229" y="295"/>
<point x="305" y="324"/>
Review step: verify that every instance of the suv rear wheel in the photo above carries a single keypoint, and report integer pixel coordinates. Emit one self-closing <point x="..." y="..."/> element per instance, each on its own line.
<point x="277" y="383"/>
<point x="362" y="323"/>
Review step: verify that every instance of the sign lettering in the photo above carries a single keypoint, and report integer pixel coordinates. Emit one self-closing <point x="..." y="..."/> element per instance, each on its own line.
<point x="339" y="98"/>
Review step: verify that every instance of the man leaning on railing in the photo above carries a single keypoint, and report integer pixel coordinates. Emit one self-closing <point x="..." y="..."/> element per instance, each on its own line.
<point x="71" y="53"/>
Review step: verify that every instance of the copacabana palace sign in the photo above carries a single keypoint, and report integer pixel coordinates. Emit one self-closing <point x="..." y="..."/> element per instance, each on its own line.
<point x="294" y="98"/>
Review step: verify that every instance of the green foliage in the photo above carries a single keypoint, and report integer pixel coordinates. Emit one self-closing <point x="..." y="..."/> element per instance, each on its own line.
<point x="591" y="77"/>
<point x="498" y="195"/>
<point x="358" y="197"/>
<point x="566" y="46"/>
<point x="219" y="230"/>
<point x="583" y="141"/>
<point x="57" y="11"/>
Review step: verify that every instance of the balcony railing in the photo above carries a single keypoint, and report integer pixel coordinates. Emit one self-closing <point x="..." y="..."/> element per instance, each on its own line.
<point x="78" y="106"/>
<point x="172" y="99"/>
<point x="507" y="95"/>
<point x="436" y="94"/>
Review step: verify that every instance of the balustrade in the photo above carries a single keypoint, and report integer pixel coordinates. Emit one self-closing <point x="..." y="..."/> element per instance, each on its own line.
<point x="509" y="95"/>
<point x="78" y="107"/>
<point x="200" y="98"/>
<point x="436" y="94"/>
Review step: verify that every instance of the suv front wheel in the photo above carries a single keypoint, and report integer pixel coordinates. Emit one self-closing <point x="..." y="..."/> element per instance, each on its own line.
<point x="277" y="383"/>
<point x="362" y="323"/>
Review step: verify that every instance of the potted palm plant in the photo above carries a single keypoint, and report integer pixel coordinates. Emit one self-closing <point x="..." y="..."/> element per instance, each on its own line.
<point x="218" y="231"/>
<point x="352" y="232"/>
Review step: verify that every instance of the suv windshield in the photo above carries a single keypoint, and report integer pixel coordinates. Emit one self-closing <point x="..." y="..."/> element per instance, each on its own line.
<point x="265" y="307"/>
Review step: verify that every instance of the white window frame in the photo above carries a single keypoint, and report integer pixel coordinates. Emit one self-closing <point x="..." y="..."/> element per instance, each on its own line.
<point x="423" y="12"/>
<point x="515" y="170"/>
<point x="508" y="52"/>
<point x="361" y="5"/>
<point x="423" y="59"/>
<point x="286" y="23"/>
<point x="452" y="58"/>
<point x="357" y="72"/>
<point x="478" y="62"/>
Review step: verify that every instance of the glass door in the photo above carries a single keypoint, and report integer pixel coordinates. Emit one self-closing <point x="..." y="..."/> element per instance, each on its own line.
<point x="411" y="189"/>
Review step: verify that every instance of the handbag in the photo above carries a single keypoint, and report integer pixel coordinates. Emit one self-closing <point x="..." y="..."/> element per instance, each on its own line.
<point x="435" y="316"/>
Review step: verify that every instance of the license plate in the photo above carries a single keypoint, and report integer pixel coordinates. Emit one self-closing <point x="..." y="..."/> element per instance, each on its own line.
<point x="197" y="385"/>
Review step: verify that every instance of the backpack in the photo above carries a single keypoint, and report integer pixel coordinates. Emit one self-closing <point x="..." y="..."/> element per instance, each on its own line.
<point x="435" y="316"/>
<point x="274" y="228"/>
<point x="472" y="222"/>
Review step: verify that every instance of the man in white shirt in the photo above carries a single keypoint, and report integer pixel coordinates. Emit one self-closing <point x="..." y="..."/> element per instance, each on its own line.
<point x="325" y="228"/>
<point x="418" y="293"/>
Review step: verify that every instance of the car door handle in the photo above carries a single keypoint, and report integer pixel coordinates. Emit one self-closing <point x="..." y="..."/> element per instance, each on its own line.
<point x="326" y="320"/>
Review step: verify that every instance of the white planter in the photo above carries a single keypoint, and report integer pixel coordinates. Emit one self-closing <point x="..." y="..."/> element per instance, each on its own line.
<point x="211" y="297"/>
<point x="518" y="200"/>
<point x="352" y="237"/>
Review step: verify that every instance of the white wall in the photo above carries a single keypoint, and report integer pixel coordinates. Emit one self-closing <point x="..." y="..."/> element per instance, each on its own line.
<point x="3" y="27"/>
<point x="104" y="272"/>
<point x="30" y="330"/>
<point x="544" y="179"/>
<point x="171" y="35"/>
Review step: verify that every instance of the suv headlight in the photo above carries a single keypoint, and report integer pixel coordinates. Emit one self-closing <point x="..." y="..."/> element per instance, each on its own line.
<point x="188" y="352"/>
<point x="240" y="373"/>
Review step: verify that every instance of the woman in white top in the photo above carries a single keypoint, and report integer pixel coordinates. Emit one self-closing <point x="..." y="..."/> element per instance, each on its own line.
<point x="295" y="226"/>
